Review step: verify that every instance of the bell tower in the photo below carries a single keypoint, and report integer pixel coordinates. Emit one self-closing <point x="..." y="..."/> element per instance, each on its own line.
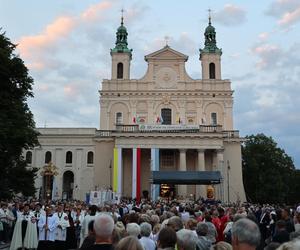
<point x="120" y="54"/>
<point x="210" y="55"/>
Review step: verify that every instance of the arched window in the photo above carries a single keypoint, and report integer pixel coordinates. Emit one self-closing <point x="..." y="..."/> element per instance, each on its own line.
<point x="119" y="118"/>
<point x="69" y="157"/>
<point x="212" y="71"/>
<point x="29" y="157"/>
<point x="120" y="71"/>
<point x="48" y="157"/>
<point x="166" y="115"/>
<point x="90" y="157"/>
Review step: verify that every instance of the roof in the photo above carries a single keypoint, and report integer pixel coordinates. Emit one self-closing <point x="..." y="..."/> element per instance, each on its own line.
<point x="166" y="53"/>
<point x="186" y="177"/>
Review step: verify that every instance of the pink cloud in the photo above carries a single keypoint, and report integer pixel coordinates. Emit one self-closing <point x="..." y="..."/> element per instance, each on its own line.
<point x="290" y="17"/>
<point x="95" y="11"/>
<point x="70" y="91"/>
<point x="35" y="65"/>
<point x="263" y="36"/>
<point x="61" y="27"/>
<point x="31" y="46"/>
<point x="269" y="55"/>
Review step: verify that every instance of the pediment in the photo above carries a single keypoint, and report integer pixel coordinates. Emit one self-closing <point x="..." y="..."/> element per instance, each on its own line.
<point x="166" y="53"/>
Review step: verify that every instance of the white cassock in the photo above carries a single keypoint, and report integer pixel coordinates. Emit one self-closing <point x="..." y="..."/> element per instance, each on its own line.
<point x="30" y="240"/>
<point x="62" y="220"/>
<point x="51" y="226"/>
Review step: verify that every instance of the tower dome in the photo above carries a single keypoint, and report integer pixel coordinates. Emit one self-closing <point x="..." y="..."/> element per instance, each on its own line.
<point x="210" y="39"/>
<point x="121" y="39"/>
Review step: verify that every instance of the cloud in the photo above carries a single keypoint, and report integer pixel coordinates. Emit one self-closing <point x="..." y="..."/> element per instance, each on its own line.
<point x="95" y="12"/>
<point x="279" y="7"/>
<point x="290" y="18"/>
<point x="59" y="29"/>
<point x="269" y="55"/>
<point x="264" y="36"/>
<point x="287" y="12"/>
<point x="230" y="15"/>
<point x="31" y="47"/>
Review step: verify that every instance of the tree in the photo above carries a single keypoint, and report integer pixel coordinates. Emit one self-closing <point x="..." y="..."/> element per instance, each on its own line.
<point x="17" y="127"/>
<point x="267" y="171"/>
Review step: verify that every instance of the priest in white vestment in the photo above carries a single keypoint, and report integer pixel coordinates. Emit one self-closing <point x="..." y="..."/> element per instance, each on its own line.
<point x="60" y="232"/>
<point x="46" y="226"/>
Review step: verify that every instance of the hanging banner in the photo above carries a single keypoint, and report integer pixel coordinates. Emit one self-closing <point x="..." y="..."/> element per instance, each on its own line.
<point x="99" y="198"/>
<point x="160" y="127"/>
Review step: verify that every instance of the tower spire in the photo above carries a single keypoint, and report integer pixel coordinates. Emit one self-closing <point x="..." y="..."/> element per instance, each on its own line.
<point x="122" y="16"/>
<point x="210" y="38"/>
<point x="121" y="37"/>
<point x="209" y="16"/>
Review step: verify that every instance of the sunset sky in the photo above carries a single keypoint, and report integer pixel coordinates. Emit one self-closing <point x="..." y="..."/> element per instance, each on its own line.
<point x="66" y="46"/>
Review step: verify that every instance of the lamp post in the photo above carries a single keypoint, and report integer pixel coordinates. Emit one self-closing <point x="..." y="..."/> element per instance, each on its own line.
<point x="228" y="169"/>
<point x="49" y="170"/>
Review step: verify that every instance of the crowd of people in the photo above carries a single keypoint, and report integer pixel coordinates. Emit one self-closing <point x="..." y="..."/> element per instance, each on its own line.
<point x="186" y="225"/>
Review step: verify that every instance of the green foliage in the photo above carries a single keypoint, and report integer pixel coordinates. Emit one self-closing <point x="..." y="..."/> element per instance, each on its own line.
<point x="268" y="172"/>
<point x="17" y="127"/>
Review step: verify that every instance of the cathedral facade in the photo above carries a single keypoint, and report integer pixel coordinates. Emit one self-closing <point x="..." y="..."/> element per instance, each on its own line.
<point x="165" y="121"/>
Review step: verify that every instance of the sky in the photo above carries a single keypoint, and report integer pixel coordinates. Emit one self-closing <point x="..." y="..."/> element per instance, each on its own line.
<point x="66" y="46"/>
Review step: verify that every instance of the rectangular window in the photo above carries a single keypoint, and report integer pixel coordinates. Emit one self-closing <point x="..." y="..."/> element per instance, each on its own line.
<point x="214" y="119"/>
<point x="166" y="116"/>
<point x="119" y="118"/>
<point x="168" y="159"/>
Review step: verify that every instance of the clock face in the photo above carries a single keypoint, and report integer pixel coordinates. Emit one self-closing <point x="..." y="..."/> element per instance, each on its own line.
<point x="166" y="78"/>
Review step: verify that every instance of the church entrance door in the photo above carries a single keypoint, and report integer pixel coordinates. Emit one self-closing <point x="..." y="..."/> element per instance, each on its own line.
<point x="68" y="185"/>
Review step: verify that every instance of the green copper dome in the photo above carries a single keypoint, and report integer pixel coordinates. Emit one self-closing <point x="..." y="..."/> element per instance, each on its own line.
<point x="210" y="29"/>
<point x="121" y="41"/>
<point x="210" y="40"/>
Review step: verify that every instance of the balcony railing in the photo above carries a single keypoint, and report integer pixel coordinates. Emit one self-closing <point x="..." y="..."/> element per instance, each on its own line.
<point x="120" y="128"/>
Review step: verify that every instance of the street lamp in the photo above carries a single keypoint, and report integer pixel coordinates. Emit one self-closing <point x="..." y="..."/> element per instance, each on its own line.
<point x="49" y="170"/>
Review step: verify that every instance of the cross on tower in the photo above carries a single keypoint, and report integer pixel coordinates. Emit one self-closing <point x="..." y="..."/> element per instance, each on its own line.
<point x="167" y="40"/>
<point x="122" y="15"/>
<point x="209" y="16"/>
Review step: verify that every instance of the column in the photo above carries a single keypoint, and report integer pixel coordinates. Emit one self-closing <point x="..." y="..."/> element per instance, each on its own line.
<point x="201" y="189"/>
<point x="80" y="161"/>
<point x="220" y="167"/>
<point x="60" y="164"/>
<point x="155" y="167"/>
<point x="182" y="189"/>
<point x="136" y="173"/>
<point x="134" y="168"/>
<point x="117" y="173"/>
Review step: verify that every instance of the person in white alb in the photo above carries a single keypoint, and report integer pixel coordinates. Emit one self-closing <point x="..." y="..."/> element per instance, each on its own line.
<point x="25" y="233"/>
<point x="60" y="232"/>
<point x="91" y="215"/>
<point x="46" y="226"/>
